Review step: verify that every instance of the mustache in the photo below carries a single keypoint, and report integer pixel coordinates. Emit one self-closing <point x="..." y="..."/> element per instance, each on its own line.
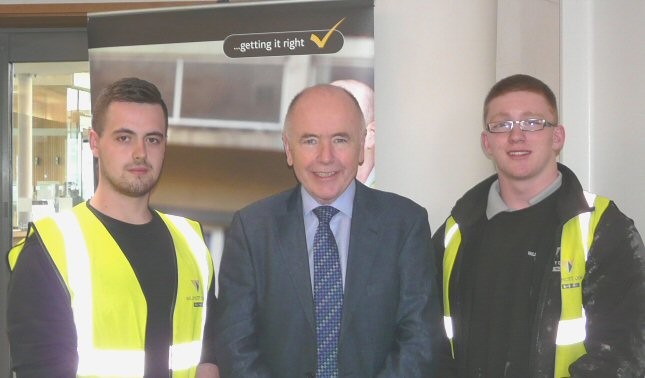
<point x="137" y="164"/>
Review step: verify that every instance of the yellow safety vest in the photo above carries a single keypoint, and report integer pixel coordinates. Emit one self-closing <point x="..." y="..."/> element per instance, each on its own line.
<point x="577" y="237"/>
<point x="110" y="311"/>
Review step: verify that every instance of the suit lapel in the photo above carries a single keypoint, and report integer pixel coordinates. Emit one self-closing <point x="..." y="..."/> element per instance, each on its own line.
<point x="363" y="245"/>
<point x="290" y="233"/>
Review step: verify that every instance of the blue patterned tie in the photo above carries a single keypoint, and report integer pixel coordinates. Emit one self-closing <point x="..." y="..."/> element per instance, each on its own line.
<point x="328" y="293"/>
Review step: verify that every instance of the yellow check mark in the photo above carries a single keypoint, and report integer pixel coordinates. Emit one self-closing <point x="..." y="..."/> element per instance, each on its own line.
<point x="321" y="43"/>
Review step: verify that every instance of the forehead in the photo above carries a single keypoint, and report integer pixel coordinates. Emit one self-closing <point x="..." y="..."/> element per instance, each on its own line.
<point x="325" y="110"/>
<point x="121" y="114"/>
<point x="519" y="103"/>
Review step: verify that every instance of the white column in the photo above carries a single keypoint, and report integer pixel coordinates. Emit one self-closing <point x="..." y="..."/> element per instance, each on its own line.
<point x="25" y="152"/>
<point x="434" y="63"/>
<point x="603" y="90"/>
<point x="575" y="97"/>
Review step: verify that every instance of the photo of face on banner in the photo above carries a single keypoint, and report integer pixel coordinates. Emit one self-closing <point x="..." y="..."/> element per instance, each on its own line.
<point x="364" y="94"/>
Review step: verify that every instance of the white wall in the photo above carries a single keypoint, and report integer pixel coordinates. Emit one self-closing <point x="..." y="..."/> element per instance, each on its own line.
<point x="434" y="63"/>
<point x="435" y="60"/>
<point x="603" y="86"/>
<point x="528" y="40"/>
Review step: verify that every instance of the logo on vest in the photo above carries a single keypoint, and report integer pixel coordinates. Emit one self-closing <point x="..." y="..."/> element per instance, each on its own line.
<point x="198" y="300"/>
<point x="570" y="281"/>
<point x="568" y="278"/>
<point x="556" y="261"/>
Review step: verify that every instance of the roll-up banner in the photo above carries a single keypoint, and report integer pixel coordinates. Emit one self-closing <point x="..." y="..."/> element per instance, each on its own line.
<point x="234" y="67"/>
<point x="229" y="71"/>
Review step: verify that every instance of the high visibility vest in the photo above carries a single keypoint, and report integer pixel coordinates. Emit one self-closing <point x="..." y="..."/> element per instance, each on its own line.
<point x="109" y="308"/>
<point x="576" y="240"/>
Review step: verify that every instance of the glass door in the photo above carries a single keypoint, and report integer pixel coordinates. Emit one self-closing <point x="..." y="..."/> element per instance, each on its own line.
<point x="52" y="161"/>
<point x="44" y="109"/>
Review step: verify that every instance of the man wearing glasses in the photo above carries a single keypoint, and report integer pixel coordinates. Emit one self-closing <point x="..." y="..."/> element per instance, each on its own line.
<point x="540" y="278"/>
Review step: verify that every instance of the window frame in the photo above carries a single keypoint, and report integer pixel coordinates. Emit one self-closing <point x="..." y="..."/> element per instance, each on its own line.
<point x="21" y="46"/>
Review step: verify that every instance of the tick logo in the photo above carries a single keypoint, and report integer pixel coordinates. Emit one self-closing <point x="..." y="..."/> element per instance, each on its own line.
<point x="322" y="42"/>
<point x="196" y="284"/>
<point x="569" y="266"/>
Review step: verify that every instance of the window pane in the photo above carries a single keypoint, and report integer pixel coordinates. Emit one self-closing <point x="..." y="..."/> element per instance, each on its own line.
<point x="52" y="161"/>
<point x="237" y="92"/>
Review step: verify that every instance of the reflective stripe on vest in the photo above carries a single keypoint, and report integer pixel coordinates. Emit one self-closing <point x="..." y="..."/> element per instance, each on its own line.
<point x="185" y="353"/>
<point x="102" y="351"/>
<point x="452" y="241"/>
<point x="577" y="238"/>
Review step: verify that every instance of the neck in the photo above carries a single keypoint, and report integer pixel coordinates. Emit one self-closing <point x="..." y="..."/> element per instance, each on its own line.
<point x="518" y="194"/>
<point x="127" y="209"/>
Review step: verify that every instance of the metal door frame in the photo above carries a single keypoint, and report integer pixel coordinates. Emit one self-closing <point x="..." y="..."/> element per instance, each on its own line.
<point x="21" y="46"/>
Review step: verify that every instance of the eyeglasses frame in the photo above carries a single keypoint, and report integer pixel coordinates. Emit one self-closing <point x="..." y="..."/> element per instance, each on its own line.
<point x="523" y="123"/>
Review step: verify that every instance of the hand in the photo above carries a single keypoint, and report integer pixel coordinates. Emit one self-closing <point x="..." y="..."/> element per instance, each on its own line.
<point x="207" y="371"/>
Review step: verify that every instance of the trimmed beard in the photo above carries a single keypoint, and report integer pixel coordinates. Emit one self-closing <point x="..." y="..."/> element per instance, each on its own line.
<point x="137" y="187"/>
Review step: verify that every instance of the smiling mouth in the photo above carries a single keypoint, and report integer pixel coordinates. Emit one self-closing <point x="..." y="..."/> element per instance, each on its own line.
<point x="518" y="153"/>
<point x="324" y="174"/>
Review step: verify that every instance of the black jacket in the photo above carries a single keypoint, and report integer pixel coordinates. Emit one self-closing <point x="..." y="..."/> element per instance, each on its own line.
<point x="613" y="289"/>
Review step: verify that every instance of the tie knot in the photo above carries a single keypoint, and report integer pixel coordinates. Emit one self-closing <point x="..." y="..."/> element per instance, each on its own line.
<point x="325" y="213"/>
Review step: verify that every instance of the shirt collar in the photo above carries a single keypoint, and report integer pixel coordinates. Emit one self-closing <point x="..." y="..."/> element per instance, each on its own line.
<point x="344" y="203"/>
<point x="497" y="205"/>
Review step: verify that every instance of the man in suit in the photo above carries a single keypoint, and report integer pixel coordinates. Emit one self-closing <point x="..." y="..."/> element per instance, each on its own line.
<point x="268" y="321"/>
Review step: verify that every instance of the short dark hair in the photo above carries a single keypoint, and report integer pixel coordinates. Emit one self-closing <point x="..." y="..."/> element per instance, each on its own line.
<point x="521" y="82"/>
<point x="129" y="89"/>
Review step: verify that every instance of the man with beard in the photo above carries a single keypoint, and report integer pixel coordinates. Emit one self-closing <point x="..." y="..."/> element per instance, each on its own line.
<point x="113" y="287"/>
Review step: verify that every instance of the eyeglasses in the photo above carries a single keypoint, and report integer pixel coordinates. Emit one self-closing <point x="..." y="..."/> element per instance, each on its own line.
<point x="530" y="124"/>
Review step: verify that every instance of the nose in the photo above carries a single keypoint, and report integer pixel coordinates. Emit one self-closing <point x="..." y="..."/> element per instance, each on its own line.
<point x="139" y="152"/>
<point x="516" y="134"/>
<point x="326" y="153"/>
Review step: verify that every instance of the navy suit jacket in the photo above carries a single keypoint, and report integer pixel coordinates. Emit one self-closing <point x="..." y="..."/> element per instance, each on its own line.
<point x="391" y="322"/>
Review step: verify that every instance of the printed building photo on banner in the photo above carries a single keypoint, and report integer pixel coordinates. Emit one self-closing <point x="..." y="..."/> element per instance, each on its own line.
<point x="227" y="73"/>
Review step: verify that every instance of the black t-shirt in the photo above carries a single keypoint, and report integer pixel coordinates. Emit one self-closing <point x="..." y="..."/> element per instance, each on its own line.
<point x="149" y="249"/>
<point x="40" y="321"/>
<point x="505" y="271"/>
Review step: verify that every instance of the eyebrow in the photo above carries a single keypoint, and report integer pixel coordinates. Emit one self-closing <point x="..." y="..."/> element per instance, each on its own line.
<point x="508" y="116"/>
<point x="156" y="133"/>
<point x="131" y="132"/>
<point x="311" y="135"/>
<point x="123" y="130"/>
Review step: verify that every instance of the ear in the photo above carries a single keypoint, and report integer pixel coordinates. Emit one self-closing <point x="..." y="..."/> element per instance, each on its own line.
<point x="287" y="149"/>
<point x="94" y="143"/>
<point x="485" y="145"/>
<point x="558" y="138"/>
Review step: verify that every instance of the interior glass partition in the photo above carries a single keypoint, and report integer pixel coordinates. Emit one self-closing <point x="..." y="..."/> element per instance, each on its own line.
<point x="52" y="161"/>
<point x="22" y="51"/>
